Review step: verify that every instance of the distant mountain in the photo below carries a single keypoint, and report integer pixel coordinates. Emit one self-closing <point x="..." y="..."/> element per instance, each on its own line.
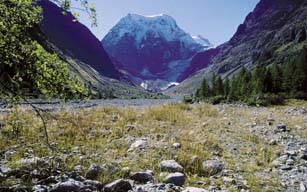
<point x="275" y="32"/>
<point x="75" y="44"/>
<point x="152" y="48"/>
<point x="75" y="39"/>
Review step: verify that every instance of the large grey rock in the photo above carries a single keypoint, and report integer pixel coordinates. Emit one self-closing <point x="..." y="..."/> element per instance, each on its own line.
<point x="194" y="189"/>
<point x="142" y="177"/>
<point x="170" y="166"/>
<point x="118" y="186"/>
<point x="212" y="167"/>
<point x="70" y="185"/>
<point x="177" y="179"/>
<point x="93" y="172"/>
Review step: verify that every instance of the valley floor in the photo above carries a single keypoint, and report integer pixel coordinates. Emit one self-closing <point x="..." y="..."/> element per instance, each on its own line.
<point x="214" y="148"/>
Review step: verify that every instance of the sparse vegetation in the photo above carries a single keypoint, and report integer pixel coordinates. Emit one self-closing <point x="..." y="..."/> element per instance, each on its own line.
<point x="103" y="136"/>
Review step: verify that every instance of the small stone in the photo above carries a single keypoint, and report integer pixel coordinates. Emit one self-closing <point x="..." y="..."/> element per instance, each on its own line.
<point x="229" y="181"/>
<point x="280" y="160"/>
<point x="39" y="188"/>
<point x="176" y="145"/>
<point x="273" y="142"/>
<point x="130" y="127"/>
<point x="270" y="121"/>
<point x="125" y="171"/>
<point x="118" y="186"/>
<point x="285" y="167"/>
<point x="138" y="144"/>
<point x="194" y="189"/>
<point x="290" y="162"/>
<point x="281" y="128"/>
<point x="292" y="153"/>
<point x="303" y="187"/>
<point x="98" y="185"/>
<point x="170" y="166"/>
<point x="4" y="168"/>
<point x="177" y="179"/>
<point x="212" y="167"/>
<point x="93" y="172"/>
<point x="142" y="177"/>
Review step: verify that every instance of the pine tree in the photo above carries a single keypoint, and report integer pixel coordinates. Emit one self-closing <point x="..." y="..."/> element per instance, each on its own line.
<point x="219" y="86"/>
<point x="226" y="87"/>
<point x="204" y="90"/>
<point x="277" y="78"/>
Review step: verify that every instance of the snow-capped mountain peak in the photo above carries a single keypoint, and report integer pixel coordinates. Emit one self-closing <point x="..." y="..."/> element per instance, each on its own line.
<point x="152" y="48"/>
<point x="142" y="27"/>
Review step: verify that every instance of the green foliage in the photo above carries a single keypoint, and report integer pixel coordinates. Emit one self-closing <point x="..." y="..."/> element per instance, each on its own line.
<point x="25" y="67"/>
<point x="187" y="100"/>
<point x="84" y="6"/>
<point x="265" y="85"/>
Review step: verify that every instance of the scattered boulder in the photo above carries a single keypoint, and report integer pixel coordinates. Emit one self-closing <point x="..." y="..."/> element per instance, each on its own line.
<point x="170" y="166"/>
<point x="93" y="172"/>
<point x="177" y="179"/>
<point x="118" y="186"/>
<point x="212" y="167"/>
<point x="142" y="177"/>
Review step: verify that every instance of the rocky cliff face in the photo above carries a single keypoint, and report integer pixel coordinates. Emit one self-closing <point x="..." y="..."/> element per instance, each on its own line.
<point x="75" y="39"/>
<point x="273" y="33"/>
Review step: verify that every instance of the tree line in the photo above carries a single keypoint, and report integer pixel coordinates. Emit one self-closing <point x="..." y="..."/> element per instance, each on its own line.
<point x="263" y="85"/>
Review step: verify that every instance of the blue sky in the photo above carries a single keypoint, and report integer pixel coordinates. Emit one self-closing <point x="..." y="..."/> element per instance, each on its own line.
<point x="216" y="20"/>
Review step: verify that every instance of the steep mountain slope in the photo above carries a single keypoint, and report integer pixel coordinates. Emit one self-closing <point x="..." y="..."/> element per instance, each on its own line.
<point x="152" y="47"/>
<point x="274" y="32"/>
<point x="75" y="39"/>
<point x="83" y="52"/>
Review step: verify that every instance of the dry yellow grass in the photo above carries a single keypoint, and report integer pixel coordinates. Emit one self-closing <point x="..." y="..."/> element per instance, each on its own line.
<point x="103" y="135"/>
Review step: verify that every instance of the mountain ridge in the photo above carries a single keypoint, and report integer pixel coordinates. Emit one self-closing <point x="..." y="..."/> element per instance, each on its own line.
<point x="84" y="54"/>
<point x="261" y="40"/>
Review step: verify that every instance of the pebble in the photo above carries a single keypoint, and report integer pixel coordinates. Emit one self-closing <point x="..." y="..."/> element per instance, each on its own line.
<point x="194" y="189"/>
<point x="138" y="144"/>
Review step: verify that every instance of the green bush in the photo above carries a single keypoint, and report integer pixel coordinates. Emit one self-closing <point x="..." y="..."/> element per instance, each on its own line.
<point x="217" y="99"/>
<point x="265" y="100"/>
<point x="188" y="100"/>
